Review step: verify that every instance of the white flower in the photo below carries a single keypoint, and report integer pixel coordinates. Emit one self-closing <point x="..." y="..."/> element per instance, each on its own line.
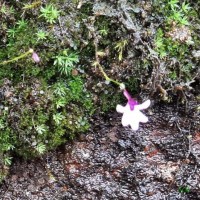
<point x="131" y="112"/>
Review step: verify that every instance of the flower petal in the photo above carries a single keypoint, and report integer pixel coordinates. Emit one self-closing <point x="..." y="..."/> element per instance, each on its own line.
<point x="35" y="57"/>
<point x="135" y="125"/>
<point x="120" y="109"/>
<point x="141" y="117"/>
<point x="126" y="118"/>
<point x="144" y="105"/>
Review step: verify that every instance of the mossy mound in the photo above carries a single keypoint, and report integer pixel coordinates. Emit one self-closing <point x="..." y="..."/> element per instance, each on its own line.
<point x="36" y="118"/>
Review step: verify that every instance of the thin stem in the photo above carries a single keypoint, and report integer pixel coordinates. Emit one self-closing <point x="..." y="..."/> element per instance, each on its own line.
<point x="106" y="76"/>
<point x="101" y="68"/>
<point x="30" y="51"/>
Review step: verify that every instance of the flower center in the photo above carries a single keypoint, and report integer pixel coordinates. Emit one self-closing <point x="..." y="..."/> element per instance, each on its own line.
<point x="132" y="103"/>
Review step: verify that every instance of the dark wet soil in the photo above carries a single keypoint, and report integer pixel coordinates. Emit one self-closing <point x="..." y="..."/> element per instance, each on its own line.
<point x="160" y="161"/>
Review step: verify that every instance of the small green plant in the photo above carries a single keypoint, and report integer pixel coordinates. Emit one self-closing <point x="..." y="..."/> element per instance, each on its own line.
<point x="22" y="24"/>
<point x="40" y="148"/>
<point x="103" y="31"/>
<point x="7" y="160"/>
<point x="41" y="129"/>
<point x="173" y="75"/>
<point x="159" y="42"/>
<point x="50" y="13"/>
<point x="3" y="9"/>
<point x="177" y="12"/>
<point x="61" y="102"/>
<point x="75" y="86"/>
<point x="6" y="10"/>
<point x="168" y="46"/>
<point x="2" y="125"/>
<point x="3" y="175"/>
<point x="42" y="35"/>
<point x="12" y="32"/>
<point x="185" y="7"/>
<point x="120" y="46"/>
<point x="175" y="35"/>
<point x="173" y="4"/>
<point x="184" y="189"/>
<point x="58" y="117"/>
<point x="178" y="16"/>
<point x="66" y="62"/>
<point x="11" y="10"/>
<point x="60" y="89"/>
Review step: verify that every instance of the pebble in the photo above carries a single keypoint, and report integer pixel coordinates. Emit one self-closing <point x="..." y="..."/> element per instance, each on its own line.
<point x="41" y="181"/>
<point x="31" y="188"/>
<point x="14" y="178"/>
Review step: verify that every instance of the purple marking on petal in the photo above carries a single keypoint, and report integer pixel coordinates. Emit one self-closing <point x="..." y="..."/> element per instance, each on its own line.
<point x="35" y="57"/>
<point x="131" y="101"/>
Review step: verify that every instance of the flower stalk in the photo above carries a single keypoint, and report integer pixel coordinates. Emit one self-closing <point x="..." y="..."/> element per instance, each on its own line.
<point x="30" y="51"/>
<point x="106" y="76"/>
<point x="97" y="63"/>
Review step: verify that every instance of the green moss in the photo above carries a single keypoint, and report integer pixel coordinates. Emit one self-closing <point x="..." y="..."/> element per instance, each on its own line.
<point x="166" y="46"/>
<point x="175" y="38"/>
<point x="35" y="124"/>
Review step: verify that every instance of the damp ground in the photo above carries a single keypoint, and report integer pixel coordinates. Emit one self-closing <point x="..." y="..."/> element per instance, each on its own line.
<point x="159" y="161"/>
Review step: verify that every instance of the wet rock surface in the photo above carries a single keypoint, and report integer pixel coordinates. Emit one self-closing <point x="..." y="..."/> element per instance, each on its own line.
<point x="112" y="162"/>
